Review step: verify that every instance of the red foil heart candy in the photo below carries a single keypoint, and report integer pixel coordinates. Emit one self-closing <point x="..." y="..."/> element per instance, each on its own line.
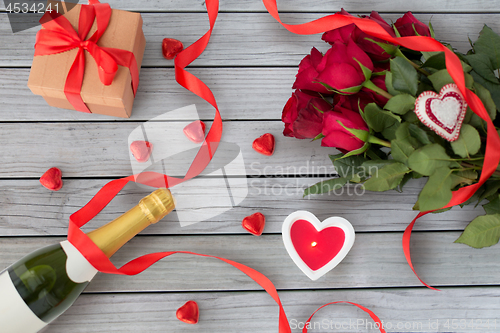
<point x="188" y="313"/>
<point x="51" y="179"/>
<point x="195" y="131"/>
<point x="170" y="47"/>
<point x="264" y="144"/>
<point x="254" y="223"/>
<point x="141" y="150"/>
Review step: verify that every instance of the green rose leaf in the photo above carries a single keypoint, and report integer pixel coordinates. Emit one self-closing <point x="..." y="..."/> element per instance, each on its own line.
<point x="419" y="134"/>
<point x="325" y="186"/>
<point x="481" y="232"/>
<point x="404" y="76"/>
<point x="349" y="167"/>
<point x="440" y="79"/>
<point x="466" y="177"/>
<point x="437" y="191"/>
<point x="493" y="207"/>
<point x="400" y="104"/>
<point x="389" y="86"/>
<point x="387" y="178"/>
<point x="401" y="149"/>
<point x="372" y="167"/>
<point x="436" y="61"/>
<point x="485" y="96"/>
<point x="378" y="119"/>
<point x="493" y="88"/>
<point x="481" y="63"/>
<point x="488" y="43"/>
<point x="491" y="187"/>
<point x="468" y="143"/>
<point x="427" y="159"/>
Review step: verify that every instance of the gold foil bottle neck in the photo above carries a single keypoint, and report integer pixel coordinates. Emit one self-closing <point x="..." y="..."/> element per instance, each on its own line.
<point x="112" y="236"/>
<point x="157" y="205"/>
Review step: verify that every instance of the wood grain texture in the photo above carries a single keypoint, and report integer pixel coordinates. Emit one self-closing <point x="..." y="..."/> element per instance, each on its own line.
<point x="328" y="6"/>
<point x="102" y="149"/>
<point x="241" y="93"/>
<point x="250" y="312"/>
<point x="242" y="39"/>
<point x="31" y="210"/>
<point x="376" y="260"/>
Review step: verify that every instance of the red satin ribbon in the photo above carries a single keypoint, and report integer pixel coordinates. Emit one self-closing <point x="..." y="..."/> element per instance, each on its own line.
<point x="376" y="319"/>
<point x="454" y="67"/>
<point x="59" y="36"/>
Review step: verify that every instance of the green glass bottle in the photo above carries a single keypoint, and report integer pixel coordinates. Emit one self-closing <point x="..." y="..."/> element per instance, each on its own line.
<point x="41" y="286"/>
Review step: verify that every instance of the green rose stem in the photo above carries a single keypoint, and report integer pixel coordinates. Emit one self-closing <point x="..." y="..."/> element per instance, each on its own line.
<point x="375" y="140"/>
<point x="476" y="167"/>
<point x="417" y="67"/>
<point x="370" y="85"/>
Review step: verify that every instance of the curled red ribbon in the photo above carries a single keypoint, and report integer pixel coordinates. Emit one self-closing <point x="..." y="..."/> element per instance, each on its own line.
<point x="59" y="36"/>
<point x="454" y="67"/>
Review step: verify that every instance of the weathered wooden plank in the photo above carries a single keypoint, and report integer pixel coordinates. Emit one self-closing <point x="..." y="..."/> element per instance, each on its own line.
<point x="376" y="260"/>
<point x="242" y="39"/>
<point x="101" y="149"/>
<point x="241" y="93"/>
<point x="480" y="6"/>
<point x="29" y="209"/>
<point x="420" y="310"/>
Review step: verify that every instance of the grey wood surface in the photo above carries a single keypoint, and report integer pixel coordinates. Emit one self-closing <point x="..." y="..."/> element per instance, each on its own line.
<point x="250" y="65"/>
<point x="256" y="39"/>
<point x="328" y="6"/>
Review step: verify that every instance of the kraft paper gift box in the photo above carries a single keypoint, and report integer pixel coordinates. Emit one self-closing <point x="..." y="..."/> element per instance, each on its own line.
<point x="49" y="72"/>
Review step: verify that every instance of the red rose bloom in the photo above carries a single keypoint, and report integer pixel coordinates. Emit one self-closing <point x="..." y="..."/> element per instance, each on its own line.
<point x="363" y="40"/>
<point x="340" y="67"/>
<point x="408" y="24"/>
<point x="308" y="71"/>
<point x="302" y="117"/>
<point x="339" y="137"/>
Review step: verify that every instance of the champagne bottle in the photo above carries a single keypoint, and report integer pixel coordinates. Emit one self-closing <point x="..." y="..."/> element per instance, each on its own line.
<point x="41" y="286"/>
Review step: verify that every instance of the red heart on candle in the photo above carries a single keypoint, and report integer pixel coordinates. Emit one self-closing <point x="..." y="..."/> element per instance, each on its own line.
<point x="443" y="113"/>
<point x="141" y="150"/>
<point x="316" y="247"/>
<point x="170" y="47"/>
<point x="195" y="131"/>
<point x="51" y="179"/>
<point x="264" y="144"/>
<point x="188" y="313"/>
<point x="254" y="223"/>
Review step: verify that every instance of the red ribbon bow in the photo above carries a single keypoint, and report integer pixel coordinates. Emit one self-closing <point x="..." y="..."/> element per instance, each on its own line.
<point x="59" y="36"/>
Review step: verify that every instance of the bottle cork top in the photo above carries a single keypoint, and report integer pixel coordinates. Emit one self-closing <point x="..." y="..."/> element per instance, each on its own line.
<point x="157" y="205"/>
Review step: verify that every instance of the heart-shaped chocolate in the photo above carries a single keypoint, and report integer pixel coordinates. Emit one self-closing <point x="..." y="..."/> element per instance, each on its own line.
<point x="170" y="47"/>
<point x="188" y="313"/>
<point x="141" y="150"/>
<point x="195" y="131"/>
<point x="51" y="179"/>
<point x="264" y="144"/>
<point x="254" y="223"/>
<point x="317" y="247"/>
<point x="443" y="113"/>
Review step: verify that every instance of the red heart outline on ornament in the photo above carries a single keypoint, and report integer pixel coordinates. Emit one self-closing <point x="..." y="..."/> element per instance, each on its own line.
<point x="334" y="221"/>
<point x="442" y="121"/>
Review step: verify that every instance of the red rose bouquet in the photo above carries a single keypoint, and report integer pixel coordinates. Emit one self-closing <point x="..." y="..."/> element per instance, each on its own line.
<point x="395" y="114"/>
